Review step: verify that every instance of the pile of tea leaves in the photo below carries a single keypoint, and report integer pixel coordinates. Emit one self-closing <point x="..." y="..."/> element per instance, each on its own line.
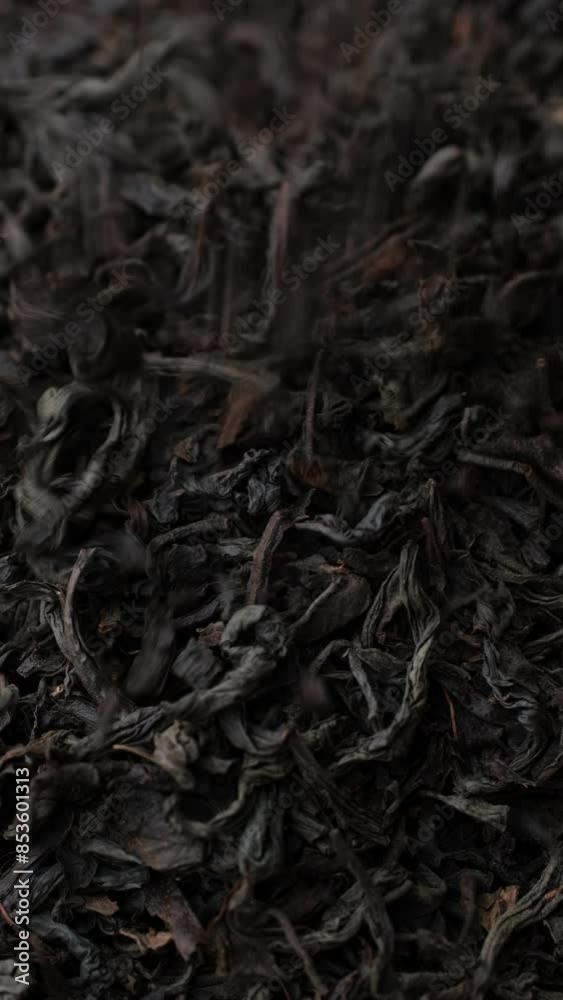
<point x="281" y="504"/>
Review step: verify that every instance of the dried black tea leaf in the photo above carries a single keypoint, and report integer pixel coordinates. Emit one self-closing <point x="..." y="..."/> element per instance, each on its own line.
<point x="281" y="500"/>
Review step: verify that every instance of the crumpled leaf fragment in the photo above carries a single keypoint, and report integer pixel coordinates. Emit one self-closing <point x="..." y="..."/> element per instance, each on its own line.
<point x="493" y="905"/>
